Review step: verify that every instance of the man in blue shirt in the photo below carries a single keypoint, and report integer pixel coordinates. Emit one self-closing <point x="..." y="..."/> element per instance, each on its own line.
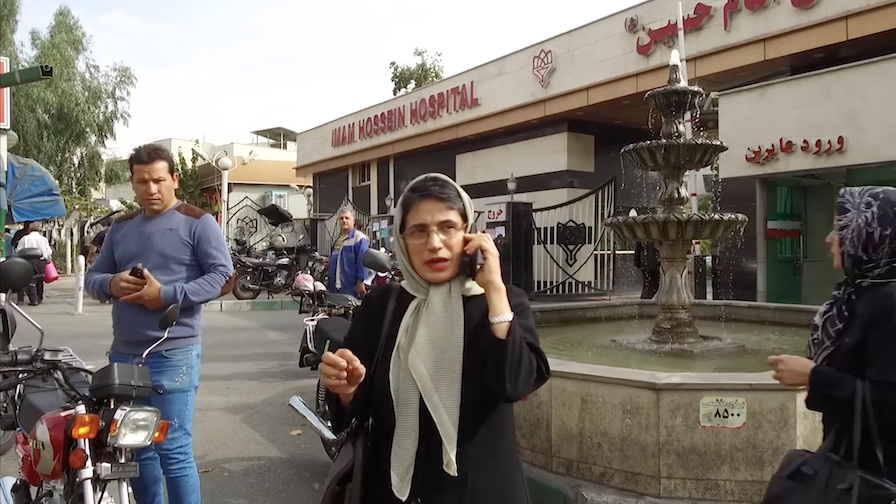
<point x="347" y="273"/>
<point x="185" y="261"/>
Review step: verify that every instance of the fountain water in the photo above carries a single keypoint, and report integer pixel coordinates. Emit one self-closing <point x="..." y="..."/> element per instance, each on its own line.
<point x="673" y="227"/>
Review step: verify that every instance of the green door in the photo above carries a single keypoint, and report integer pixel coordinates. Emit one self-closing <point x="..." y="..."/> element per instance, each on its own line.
<point x="786" y="206"/>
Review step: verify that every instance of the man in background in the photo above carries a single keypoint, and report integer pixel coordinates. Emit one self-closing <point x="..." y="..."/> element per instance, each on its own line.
<point x="347" y="273"/>
<point x="647" y="259"/>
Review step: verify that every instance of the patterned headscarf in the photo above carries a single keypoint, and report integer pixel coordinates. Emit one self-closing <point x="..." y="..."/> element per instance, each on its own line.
<point x="866" y="226"/>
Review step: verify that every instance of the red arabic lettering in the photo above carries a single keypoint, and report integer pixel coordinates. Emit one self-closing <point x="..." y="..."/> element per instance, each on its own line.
<point x="700" y="16"/>
<point x="754" y="159"/>
<point x="731" y="6"/>
<point x="803" y="4"/>
<point x="494" y="214"/>
<point x="841" y="144"/>
<point x="785" y="147"/>
<point x="755" y="5"/>
<point x="770" y="154"/>
<point x="761" y="155"/>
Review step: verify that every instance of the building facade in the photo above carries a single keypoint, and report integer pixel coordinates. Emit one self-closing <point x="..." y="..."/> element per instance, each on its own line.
<point x="808" y="136"/>
<point x="555" y="115"/>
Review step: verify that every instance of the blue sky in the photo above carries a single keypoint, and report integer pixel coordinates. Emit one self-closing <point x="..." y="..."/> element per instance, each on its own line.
<point x="220" y="69"/>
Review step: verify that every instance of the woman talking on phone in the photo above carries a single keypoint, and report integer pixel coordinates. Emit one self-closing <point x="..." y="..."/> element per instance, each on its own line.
<point x="456" y="354"/>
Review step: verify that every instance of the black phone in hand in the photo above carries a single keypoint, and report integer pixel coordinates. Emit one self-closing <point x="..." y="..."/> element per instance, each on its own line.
<point x="470" y="264"/>
<point x="136" y="272"/>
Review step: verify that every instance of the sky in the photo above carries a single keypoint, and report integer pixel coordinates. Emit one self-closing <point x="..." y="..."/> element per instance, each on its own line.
<point x="218" y="69"/>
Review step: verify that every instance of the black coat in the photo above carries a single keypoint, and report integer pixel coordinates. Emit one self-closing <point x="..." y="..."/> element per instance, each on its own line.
<point x="868" y="353"/>
<point x="496" y="374"/>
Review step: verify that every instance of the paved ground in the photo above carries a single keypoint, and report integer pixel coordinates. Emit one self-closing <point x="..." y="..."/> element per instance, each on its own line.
<point x="246" y="444"/>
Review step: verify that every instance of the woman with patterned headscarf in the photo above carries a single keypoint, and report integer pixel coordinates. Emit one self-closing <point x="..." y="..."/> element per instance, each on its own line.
<point x="461" y="348"/>
<point x="853" y="336"/>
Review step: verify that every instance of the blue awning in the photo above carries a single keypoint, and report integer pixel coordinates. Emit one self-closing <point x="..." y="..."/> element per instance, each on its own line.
<point x="32" y="193"/>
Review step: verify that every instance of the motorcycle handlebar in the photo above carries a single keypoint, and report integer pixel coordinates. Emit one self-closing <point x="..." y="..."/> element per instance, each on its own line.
<point x="16" y="358"/>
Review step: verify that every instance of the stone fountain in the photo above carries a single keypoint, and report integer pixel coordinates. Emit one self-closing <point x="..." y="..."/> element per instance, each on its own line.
<point x="673" y="226"/>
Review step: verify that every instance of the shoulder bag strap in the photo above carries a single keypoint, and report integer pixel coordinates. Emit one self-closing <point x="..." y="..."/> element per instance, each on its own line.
<point x="364" y="409"/>
<point x="872" y="427"/>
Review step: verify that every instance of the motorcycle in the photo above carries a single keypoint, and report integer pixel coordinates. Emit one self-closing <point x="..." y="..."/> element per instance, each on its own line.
<point x="76" y="430"/>
<point x="276" y="272"/>
<point x="325" y="330"/>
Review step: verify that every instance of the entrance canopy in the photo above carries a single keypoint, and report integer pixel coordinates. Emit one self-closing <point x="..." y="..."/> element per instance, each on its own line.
<point x="32" y="193"/>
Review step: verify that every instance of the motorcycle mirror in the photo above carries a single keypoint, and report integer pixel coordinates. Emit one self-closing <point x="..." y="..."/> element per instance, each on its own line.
<point x="15" y="274"/>
<point x="377" y="261"/>
<point x="169" y="317"/>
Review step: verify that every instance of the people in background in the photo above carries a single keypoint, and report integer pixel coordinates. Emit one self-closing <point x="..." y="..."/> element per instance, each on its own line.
<point x="347" y="273"/>
<point x="8" y="248"/>
<point x="458" y="353"/>
<point x="93" y="250"/>
<point x="34" y="239"/>
<point x="853" y="337"/>
<point x="647" y="259"/>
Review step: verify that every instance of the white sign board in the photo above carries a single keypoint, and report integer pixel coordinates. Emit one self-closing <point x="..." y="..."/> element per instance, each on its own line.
<point x="496" y="212"/>
<point x="4" y="97"/>
<point x="723" y="412"/>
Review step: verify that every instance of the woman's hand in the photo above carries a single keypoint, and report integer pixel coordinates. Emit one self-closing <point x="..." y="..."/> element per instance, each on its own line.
<point x="342" y="372"/>
<point x="791" y="370"/>
<point x="489" y="275"/>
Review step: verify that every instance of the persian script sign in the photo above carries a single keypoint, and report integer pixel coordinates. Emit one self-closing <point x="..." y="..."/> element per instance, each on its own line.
<point x="723" y="412"/>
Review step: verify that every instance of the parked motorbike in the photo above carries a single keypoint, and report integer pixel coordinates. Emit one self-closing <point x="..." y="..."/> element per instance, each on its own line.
<point x="276" y="272"/>
<point x="76" y="430"/>
<point x="325" y="331"/>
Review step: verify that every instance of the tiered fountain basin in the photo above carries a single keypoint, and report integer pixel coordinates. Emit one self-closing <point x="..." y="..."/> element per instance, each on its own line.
<point x="683" y="154"/>
<point x="676" y="227"/>
<point x="637" y="421"/>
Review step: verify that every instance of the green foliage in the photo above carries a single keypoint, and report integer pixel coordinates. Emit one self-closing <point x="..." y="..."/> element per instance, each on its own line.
<point x="188" y="171"/>
<point x="116" y="171"/>
<point x="405" y="78"/>
<point x="9" y="24"/>
<point x="64" y="123"/>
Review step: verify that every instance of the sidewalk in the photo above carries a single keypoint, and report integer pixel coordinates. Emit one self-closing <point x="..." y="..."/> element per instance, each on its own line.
<point x="59" y="297"/>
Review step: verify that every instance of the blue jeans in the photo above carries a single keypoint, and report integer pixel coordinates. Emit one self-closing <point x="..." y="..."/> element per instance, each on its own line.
<point x="175" y="372"/>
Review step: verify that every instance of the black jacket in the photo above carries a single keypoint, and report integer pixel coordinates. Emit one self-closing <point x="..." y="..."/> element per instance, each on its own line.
<point x="868" y="353"/>
<point x="496" y="374"/>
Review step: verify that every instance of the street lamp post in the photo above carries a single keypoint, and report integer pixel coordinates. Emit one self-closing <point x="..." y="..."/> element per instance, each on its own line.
<point x="511" y="185"/>
<point x="222" y="161"/>
<point x="389" y="200"/>
<point x="308" y="192"/>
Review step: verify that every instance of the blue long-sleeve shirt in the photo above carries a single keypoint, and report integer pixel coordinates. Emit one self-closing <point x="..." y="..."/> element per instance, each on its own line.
<point x="184" y="249"/>
<point x="347" y="263"/>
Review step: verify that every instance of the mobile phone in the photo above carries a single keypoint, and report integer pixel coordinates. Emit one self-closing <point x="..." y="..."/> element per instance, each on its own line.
<point x="136" y="272"/>
<point x="470" y="264"/>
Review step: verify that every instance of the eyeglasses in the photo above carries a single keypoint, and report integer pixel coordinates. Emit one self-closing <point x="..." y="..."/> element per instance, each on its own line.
<point x="418" y="235"/>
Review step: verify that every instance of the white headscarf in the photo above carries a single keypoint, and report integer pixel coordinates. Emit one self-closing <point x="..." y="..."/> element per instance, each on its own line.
<point x="427" y="360"/>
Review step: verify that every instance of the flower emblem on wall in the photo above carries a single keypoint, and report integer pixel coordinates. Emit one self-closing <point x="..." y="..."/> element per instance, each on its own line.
<point x="543" y="66"/>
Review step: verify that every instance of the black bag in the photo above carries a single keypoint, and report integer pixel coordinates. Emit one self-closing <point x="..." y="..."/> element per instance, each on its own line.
<point x="344" y="483"/>
<point x="825" y="477"/>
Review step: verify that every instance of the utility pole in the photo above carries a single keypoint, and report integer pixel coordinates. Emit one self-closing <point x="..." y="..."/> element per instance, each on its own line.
<point x="8" y="79"/>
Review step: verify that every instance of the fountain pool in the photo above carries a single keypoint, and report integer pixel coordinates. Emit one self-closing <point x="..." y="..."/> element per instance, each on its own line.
<point x="597" y="343"/>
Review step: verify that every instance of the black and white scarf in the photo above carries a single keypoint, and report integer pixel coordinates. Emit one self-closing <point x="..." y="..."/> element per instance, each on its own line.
<point x="866" y="226"/>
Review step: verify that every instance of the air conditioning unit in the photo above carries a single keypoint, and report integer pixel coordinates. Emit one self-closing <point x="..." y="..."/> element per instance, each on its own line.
<point x="279" y="198"/>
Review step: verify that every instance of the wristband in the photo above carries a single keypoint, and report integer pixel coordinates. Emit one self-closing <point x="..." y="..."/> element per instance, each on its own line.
<point x="500" y="319"/>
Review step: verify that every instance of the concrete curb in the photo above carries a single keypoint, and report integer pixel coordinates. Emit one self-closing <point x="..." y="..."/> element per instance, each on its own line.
<point x="549" y="488"/>
<point x="227" y="305"/>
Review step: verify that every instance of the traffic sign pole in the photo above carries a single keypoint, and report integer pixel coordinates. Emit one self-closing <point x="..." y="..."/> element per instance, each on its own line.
<point x="10" y="79"/>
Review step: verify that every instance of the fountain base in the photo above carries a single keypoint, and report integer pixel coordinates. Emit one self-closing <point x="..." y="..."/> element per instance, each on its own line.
<point x="699" y="345"/>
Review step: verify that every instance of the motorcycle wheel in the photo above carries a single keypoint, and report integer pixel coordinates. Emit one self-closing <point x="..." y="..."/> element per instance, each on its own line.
<point x="7" y="437"/>
<point x="240" y="291"/>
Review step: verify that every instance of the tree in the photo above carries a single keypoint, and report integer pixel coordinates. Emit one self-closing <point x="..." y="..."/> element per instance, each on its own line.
<point x="64" y="123"/>
<point x="406" y="78"/>
<point x="189" y="189"/>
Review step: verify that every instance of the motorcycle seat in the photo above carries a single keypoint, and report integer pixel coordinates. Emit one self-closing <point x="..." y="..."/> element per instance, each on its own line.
<point x="258" y="263"/>
<point x="343" y="300"/>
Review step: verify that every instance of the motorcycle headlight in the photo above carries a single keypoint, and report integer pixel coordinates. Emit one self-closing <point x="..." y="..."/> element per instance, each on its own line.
<point x="134" y="426"/>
